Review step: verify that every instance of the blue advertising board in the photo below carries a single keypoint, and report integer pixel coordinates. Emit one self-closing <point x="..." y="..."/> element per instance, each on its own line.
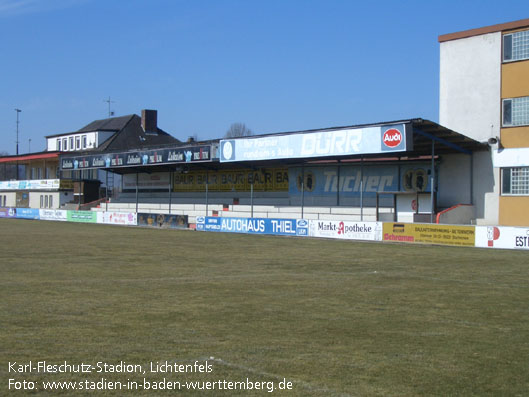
<point x="283" y="227"/>
<point x="322" y="143"/>
<point x="28" y="213"/>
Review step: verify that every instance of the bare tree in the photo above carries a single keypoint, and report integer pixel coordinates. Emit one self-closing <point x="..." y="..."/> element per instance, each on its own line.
<point x="237" y="130"/>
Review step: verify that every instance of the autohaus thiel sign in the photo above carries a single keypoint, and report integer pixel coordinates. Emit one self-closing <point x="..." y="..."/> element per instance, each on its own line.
<point x="191" y="154"/>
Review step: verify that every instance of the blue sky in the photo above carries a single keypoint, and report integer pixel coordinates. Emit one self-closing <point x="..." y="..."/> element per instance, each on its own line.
<point x="273" y="65"/>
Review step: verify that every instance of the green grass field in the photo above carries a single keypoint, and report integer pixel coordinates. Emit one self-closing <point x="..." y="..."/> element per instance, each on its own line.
<point x="335" y="318"/>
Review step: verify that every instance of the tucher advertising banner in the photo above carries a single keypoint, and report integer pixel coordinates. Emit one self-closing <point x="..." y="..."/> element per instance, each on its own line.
<point x="502" y="237"/>
<point x="371" y="231"/>
<point x="282" y="227"/>
<point x="323" y="143"/>
<point x="350" y="180"/>
<point x="429" y="233"/>
<point x="182" y="155"/>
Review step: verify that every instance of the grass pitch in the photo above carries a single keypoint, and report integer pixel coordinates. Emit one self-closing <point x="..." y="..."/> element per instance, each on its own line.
<point x="335" y="318"/>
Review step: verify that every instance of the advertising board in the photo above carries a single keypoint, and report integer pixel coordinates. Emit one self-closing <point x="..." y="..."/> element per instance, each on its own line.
<point x="28" y="213"/>
<point x="429" y="233"/>
<point x="117" y="218"/>
<point x="163" y="221"/>
<point x="269" y="179"/>
<point x="188" y="154"/>
<point x="81" y="216"/>
<point x="502" y="237"/>
<point x="8" y="213"/>
<point x="152" y="181"/>
<point x="349" y="180"/>
<point x="323" y="143"/>
<point x="53" y="215"/>
<point x="371" y="231"/>
<point x="33" y="184"/>
<point x="283" y="227"/>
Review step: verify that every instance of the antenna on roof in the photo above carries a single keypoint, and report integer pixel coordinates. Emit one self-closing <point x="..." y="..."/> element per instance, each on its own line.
<point x="110" y="113"/>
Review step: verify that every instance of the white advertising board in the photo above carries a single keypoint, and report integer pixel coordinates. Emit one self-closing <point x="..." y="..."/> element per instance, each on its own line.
<point x="53" y="215"/>
<point x="322" y="143"/>
<point x="34" y="184"/>
<point x="346" y="230"/>
<point x="117" y="218"/>
<point x="502" y="237"/>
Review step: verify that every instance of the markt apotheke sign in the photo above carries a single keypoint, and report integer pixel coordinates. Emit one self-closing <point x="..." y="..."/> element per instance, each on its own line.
<point x="192" y="154"/>
<point x="328" y="143"/>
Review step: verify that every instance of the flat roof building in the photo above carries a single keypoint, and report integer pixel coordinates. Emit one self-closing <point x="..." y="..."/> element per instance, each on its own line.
<point x="484" y="94"/>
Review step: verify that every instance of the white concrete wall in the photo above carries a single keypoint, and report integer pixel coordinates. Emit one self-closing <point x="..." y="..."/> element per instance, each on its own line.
<point x="454" y="185"/>
<point x="470" y="83"/>
<point x="259" y="211"/>
<point x="486" y="189"/>
<point x="454" y="181"/>
<point x="10" y="199"/>
<point x="34" y="199"/>
<point x="91" y="141"/>
<point x="458" y="215"/>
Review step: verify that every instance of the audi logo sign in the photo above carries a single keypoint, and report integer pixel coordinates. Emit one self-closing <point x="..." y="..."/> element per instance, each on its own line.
<point x="392" y="138"/>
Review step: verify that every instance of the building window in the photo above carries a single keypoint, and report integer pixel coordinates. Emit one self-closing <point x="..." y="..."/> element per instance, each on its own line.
<point x="516" y="46"/>
<point x="58" y="145"/>
<point x="77" y="142"/>
<point x="65" y="144"/>
<point x="516" y="112"/>
<point x="515" y="181"/>
<point x="41" y="201"/>
<point x="51" y="202"/>
<point x="72" y="147"/>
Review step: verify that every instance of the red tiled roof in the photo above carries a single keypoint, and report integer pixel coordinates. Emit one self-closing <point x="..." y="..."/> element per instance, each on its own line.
<point x="30" y="156"/>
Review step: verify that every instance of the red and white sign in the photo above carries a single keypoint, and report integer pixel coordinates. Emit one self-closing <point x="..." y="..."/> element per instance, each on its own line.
<point x="346" y="230"/>
<point x="117" y="218"/>
<point x="392" y="138"/>
<point x="502" y="237"/>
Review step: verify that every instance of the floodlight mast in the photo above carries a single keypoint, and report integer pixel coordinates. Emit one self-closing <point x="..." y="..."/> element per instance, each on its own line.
<point x="18" y="111"/>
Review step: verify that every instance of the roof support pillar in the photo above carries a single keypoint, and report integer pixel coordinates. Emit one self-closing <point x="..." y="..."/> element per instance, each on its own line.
<point x="432" y="183"/>
<point x="207" y="188"/>
<point x="170" y="190"/>
<point x="302" y="188"/>
<point x="137" y="193"/>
